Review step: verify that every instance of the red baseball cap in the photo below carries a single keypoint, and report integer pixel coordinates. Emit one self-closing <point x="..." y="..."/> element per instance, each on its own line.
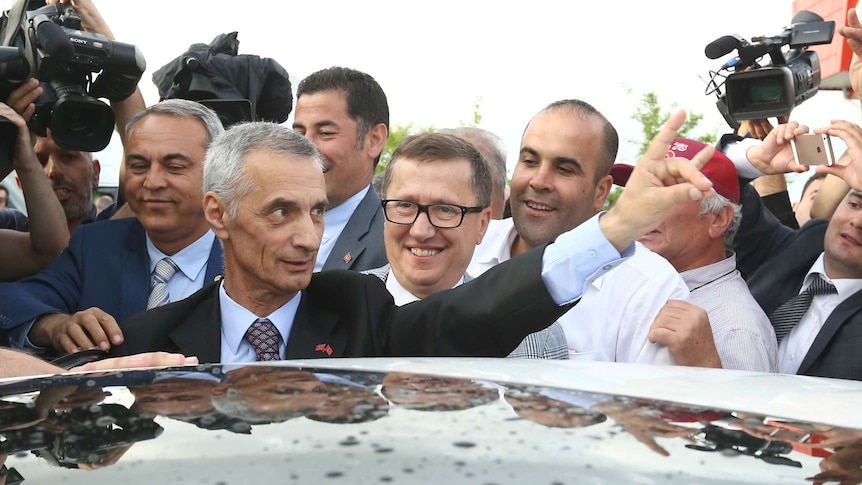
<point x="719" y="169"/>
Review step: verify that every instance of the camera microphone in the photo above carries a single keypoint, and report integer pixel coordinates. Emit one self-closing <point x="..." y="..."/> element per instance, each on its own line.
<point x="54" y="40"/>
<point x="723" y="45"/>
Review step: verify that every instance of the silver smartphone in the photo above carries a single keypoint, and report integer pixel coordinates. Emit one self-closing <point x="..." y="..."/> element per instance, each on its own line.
<point x="813" y="149"/>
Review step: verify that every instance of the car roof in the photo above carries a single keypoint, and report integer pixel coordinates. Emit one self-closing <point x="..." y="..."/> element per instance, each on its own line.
<point x="425" y="421"/>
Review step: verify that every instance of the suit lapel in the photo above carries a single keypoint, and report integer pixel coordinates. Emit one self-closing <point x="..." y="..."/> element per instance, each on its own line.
<point x="348" y="247"/>
<point x="199" y="334"/>
<point x="215" y="263"/>
<point x="313" y="333"/>
<point x="135" y="270"/>
<point x="837" y="318"/>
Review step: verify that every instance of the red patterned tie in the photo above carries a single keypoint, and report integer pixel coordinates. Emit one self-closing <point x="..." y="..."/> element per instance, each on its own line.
<point x="265" y="339"/>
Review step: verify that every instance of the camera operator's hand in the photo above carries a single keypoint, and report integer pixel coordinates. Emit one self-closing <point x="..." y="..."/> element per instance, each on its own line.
<point x="23" y="97"/>
<point x="775" y="154"/>
<point x="853" y="33"/>
<point x="685" y="330"/>
<point x="91" y="19"/>
<point x="71" y="333"/>
<point x="851" y="134"/>
<point x="23" y="253"/>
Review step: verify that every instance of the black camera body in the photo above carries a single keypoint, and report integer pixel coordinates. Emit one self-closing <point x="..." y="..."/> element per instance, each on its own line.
<point x="755" y="92"/>
<point x="49" y="44"/>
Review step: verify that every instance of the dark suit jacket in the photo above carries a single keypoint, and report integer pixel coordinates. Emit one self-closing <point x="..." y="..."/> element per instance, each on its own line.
<point x="106" y="266"/>
<point x="775" y="259"/>
<point x="353" y="315"/>
<point x="362" y="238"/>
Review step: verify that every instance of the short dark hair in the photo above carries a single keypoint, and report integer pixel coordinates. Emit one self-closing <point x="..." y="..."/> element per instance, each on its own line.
<point x="610" y="138"/>
<point x="427" y="147"/>
<point x="812" y="178"/>
<point x="366" y="101"/>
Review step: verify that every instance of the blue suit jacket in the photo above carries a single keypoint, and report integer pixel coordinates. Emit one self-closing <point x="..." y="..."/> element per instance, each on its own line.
<point x="361" y="239"/>
<point x="106" y="265"/>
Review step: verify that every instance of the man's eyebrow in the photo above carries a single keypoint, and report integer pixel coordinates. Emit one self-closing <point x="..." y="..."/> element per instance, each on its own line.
<point x="855" y="194"/>
<point x="557" y="160"/>
<point x="281" y="202"/>
<point x="169" y="156"/>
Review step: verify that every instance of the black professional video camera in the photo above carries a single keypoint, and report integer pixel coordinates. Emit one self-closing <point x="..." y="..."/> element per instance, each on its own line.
<point x="772" y="90"/>
<point x="46" y="42"/>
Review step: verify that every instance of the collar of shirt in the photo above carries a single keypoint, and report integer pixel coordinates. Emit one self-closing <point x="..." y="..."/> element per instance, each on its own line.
<point x="191" y="260"/>
<point x="91" y="216"/>
<point x="711" y="273"/>
<point x="334" y="222"/>
<point x="401" y="295"/>
<point x="495" y="248"/>
<point x="236" y="319"/>
<point x="845" y="286"/>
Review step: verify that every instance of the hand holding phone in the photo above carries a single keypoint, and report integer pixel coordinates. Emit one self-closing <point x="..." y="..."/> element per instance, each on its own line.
<point x="813" y="149"/>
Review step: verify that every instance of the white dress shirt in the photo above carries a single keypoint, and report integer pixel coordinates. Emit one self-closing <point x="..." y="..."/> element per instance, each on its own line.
<point x="192" y="264"/>
<point x="743" y="334"/>
<point x="617" y="309"/>
<point x="793" y="349"/>
<point x="334" y="221"/>
<point x="236" y="319"/>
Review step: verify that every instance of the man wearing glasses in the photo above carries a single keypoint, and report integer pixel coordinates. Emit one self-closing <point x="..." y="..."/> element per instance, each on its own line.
<point x="437" y="195"/>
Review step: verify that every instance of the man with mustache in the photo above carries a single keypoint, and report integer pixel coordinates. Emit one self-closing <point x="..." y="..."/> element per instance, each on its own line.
<point x="73" y="175"/>
<point x="118" y="268"/>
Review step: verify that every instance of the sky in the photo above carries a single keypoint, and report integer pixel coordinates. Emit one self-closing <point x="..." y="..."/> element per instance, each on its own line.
<point x="436" y="60"/>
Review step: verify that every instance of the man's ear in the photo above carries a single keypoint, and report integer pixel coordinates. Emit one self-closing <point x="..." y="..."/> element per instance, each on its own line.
<point x="483" y="224"/>
<point x="216" y="215"/>
<point x="603" y="188"/>
<point x="375" y="140"/>
<point x="97" y="169"/>
<point x="721" y="222"/>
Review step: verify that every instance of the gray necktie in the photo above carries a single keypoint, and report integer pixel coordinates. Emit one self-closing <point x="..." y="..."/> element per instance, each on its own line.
<point x="159" y="289"/>
<point x="265" y="338"/>
<point x="785" y="317"/>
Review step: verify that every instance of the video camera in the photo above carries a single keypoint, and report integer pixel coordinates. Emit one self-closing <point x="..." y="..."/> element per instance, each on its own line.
<point x="773" y="90"/>
<point x="46" y="42"/>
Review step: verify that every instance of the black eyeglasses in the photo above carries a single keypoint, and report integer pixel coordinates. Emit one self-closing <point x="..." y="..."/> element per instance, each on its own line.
<point x="444" y="216"/>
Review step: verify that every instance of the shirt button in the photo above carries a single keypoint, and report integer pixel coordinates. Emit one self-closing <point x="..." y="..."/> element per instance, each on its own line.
<point x="607" y="267"/>
<point x="592" y="253"/>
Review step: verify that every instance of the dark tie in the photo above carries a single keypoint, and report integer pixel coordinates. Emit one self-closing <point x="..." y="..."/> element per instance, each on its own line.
<point x="265" y="338"/>
<point x="785" y="317"/>
<point x="159" y="288"/>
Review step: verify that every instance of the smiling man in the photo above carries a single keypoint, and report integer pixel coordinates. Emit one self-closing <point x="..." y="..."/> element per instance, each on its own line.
<point x="438" y="192"/>
<point x="265" y="197"/>
<point x="345" y="114"/>
<point x="115" y="269"/>
<point x="561" y="180"/>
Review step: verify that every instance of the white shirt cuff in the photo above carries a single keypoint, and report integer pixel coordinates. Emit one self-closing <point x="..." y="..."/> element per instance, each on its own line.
<point x="737" y="153"/>
<point x="577" y="258"/>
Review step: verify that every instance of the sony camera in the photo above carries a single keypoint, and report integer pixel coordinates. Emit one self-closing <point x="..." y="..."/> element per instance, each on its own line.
<point x="46" y="42"/>
<point x="751" y="91"/>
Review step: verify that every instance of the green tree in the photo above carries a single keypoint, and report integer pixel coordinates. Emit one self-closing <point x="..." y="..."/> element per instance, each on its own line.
<point x="651" y="117"/>
<point x="396" y="136"/>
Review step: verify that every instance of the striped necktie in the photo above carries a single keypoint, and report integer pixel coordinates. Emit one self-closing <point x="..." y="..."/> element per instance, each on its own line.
<point x="265" y="338"/>
<point x="785" y="317"/>
<point x="159" y="289"/>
